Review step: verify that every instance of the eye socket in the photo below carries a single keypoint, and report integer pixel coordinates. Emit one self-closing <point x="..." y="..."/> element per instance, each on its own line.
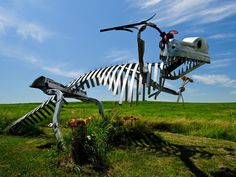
<point x="199" y="44"/>
<point x="174" y="45"/>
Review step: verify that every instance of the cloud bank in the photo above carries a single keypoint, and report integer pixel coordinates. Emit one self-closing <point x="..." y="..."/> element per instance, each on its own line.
<point x="171" y="12"/>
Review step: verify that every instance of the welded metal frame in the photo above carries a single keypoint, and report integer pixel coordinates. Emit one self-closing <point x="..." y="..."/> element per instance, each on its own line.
<point x="178" y="58"/>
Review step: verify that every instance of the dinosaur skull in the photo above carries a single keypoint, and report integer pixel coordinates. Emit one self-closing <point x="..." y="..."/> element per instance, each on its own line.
<point x="182" y="57"/>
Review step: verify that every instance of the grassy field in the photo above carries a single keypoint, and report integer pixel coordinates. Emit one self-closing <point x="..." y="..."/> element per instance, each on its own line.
<point x="197" y="139"/>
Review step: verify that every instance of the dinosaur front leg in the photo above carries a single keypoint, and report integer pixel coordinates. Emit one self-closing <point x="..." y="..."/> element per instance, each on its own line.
<point x="55" y="124"/>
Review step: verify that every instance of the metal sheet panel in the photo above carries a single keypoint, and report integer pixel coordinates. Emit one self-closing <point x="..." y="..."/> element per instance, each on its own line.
<point x="84" y="79"/>
<point x="149" y="74"/>
<point x="79" y="82"/>
<point x="137" y="89"/>
<point x="113" y="76"/>
<point x="125" y="82"/>
<point x="99" y="75"/>
<point x="118" y="78"/>
<point x="140" y="84"/>
<point x="155" y="72"/>
<point x="104" y="74"/>
<point x="132" y="81"/>
<point x="109" y="73"/>
<point x="90" y="75"/>
<point x="150" y="77"/>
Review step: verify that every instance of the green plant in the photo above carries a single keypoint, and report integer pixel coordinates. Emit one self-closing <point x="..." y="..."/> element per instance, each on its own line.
<point x="89" y="145"/>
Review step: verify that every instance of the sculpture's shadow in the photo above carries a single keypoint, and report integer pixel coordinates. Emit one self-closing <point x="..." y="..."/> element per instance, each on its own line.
<point x="164" y="148"/>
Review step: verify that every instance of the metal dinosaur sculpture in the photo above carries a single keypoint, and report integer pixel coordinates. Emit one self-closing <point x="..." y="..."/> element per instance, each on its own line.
<point x="178" y="58"/>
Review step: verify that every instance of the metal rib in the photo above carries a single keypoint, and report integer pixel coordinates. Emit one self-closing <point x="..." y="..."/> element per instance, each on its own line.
<point x="118" y="78"/>
<point x="124" y="83"/>
<point x="98" y="75"/>
<point x="150" y="76"/>
<point x="104" y="74"/>
<point x="108" y="74"/>
<point x="132" y="81"/>
<point x="113" y="76"/>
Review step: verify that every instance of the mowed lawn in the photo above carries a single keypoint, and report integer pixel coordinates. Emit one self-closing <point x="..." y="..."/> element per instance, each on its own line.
<point x="198" y="139"/>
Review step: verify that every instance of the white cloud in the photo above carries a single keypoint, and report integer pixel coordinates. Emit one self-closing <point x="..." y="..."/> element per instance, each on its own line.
<point x="119" y="56"/>
<point x="222" y="36"/>
<point x="194" y="92"/>
<point x="233" y="92"/>
<point x="220" y="80"/>
<point x="225" y="54"/>
<point x="221" y="63"/>
<point x="31" y="30"/>
<point x="216" y="79"/>
<point x="218" y="12"/>
<point x="61" y="72"/>
<point x="33" y="60"/>
<point x="171" y="12"/>
<point x="23" y="28"/>
<point x="146" y="4"/>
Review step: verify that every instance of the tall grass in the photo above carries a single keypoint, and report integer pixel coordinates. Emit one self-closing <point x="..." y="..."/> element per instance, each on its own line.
<point x="215" y="120"/>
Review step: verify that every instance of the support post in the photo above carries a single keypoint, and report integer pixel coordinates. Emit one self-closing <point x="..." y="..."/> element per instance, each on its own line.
<point x="55" y="123"/>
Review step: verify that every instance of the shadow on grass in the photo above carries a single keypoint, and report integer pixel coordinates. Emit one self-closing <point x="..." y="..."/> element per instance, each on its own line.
<point x="202" y="129"/>
<point x="226" y="172"/>
<point x="147" y="139"/>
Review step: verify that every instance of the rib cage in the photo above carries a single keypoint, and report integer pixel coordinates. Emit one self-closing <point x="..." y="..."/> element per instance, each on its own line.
<point x="124" y="79"/>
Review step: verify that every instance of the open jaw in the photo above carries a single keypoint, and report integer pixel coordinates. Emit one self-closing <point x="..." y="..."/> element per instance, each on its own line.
<point x="182" y="57"/>
<point x="176" y="67"/>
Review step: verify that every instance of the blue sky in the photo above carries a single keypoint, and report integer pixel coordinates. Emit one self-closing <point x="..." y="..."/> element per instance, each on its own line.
<point x="61" y="40"/>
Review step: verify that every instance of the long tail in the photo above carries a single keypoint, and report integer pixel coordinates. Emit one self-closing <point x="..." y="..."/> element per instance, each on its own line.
<point x="35" y="116"/>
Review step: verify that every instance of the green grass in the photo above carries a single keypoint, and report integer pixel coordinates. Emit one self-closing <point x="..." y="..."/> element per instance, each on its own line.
<point x="21" y="157"/>
<point x="186" y="147"/>
<point x="215" y="120"/>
